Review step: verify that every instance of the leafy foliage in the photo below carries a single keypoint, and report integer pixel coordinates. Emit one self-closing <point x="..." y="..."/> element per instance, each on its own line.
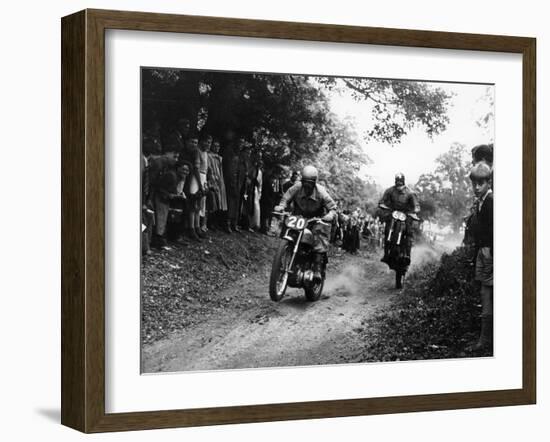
<point x="486" y="118"/>
<point x="288" y="117"/>
<point x="398" y="105"/>
<point x="446" y="193"/>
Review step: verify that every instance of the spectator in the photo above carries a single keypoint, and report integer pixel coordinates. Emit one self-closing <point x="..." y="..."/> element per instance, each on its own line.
<point x="147" y="213"/>
<point x="255" y="193"/>
<point x="293" y="179"/>
<point x="353" y="233"/>
<point x="232" y="184"/>
<point x="272" y="191"/>
<point x="216" y="184"/>
<point x="345" y="230"/>
<point x="482" y="233"/>
<point x="480" y="153"/>
<point x="164" y="189"/>
<point x="243" y="181"/>
<point x="204" y="149"/>
<point x="179" y="204"/>
<point x="193" y="189"/>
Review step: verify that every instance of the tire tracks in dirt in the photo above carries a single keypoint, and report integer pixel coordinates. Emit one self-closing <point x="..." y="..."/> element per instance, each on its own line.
<point x="293" y="332"/>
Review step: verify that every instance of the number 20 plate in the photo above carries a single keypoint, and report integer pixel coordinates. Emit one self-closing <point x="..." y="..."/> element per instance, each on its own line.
<point x="295" y="222"/>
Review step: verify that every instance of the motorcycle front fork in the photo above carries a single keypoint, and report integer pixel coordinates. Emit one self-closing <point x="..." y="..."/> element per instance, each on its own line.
<point x="294" y="252"/>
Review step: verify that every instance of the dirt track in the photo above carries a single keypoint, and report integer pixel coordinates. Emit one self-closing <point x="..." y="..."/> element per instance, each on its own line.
<point x="293" y="332"/>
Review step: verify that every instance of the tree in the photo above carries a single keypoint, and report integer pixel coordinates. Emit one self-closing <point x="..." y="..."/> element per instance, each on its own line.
<point x="486" y="118"/>
<point x="446" y="193"/>
<point x="397" y="105"/>
<point x="288" y="119"/>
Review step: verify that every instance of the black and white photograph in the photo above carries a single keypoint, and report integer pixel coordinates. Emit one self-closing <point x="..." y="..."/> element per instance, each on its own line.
<point x="294" y="220"/>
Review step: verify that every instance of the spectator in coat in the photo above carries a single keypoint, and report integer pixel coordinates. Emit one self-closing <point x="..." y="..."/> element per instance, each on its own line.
<point x="193" y="188"/>
<point x="244" y="180"/>
<point x="232" y="185"/>
<point x="272" y="192"/>
<point x="255" y="193"/>
<point x="216" y="184"/>
<point x="204" y="149"/>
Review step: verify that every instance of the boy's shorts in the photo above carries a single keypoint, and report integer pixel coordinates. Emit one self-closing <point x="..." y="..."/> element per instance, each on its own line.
<point x="484" y="266"/>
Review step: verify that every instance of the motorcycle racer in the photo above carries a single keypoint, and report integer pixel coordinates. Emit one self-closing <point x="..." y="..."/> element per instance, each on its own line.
<point x="399" y="197"/>
<point x="311" y="200"/>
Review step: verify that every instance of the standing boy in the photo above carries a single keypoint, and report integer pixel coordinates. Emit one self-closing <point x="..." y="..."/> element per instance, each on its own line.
<point x="482" y="235"/>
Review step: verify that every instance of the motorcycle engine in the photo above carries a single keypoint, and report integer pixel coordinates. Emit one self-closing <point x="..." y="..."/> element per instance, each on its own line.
<point x="308" y="278"/>
<point x="301" y="278"/>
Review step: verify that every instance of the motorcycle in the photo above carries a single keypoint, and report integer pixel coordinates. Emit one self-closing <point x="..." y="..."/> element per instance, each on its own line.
<point x="293" y="262"/>
<point x="396" y="241"/>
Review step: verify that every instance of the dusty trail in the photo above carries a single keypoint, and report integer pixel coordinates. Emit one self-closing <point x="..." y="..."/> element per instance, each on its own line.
<point x="293" y="332"/>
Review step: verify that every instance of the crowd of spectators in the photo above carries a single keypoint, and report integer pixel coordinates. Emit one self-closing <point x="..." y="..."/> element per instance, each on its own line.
<point x="352" y="227"/>
<point x="192" y="183"/>
<point x="195" y="183"/>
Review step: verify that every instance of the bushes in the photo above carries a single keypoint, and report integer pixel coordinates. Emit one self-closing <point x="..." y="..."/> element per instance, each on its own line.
<point x="436" y="317"/>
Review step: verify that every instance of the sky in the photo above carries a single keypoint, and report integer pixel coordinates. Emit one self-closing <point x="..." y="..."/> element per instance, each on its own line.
<point x="416" y="154"/>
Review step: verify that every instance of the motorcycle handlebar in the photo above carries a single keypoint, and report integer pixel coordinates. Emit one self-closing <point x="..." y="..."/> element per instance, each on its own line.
<point x="310" y="220"/>
<point x="409" y="214"/>
<point x="317" y="220"/>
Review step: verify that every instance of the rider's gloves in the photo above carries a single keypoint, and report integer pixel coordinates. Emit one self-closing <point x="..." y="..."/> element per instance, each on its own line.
<point x="278" y="209"/>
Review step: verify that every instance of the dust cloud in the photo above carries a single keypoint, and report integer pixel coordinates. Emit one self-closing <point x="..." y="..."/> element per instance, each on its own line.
<point x="349" y="280"/>
<point x="424" y="253"/>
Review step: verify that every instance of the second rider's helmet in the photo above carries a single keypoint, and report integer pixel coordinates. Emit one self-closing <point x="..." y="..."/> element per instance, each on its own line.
<point x="399" y="179"/>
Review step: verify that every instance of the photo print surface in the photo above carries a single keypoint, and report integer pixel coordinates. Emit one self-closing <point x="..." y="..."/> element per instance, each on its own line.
<point x="303" y="220"/>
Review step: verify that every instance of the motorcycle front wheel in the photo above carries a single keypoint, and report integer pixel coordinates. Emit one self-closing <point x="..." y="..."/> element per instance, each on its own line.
<point x="278" y="280"/>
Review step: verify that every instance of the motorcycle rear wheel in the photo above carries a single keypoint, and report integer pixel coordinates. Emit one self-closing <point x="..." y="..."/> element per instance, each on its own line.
<point x="399" y="278"/>
<point x="280" y="261"/>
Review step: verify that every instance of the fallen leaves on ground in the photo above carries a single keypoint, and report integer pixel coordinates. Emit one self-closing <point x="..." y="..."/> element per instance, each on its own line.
<point x="184" y="284"/>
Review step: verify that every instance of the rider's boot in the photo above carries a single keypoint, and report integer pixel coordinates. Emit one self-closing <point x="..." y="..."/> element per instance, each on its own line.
<point x="407" y="258"/>
<point x="318" y="260"/>
<point x="385" y="258"/>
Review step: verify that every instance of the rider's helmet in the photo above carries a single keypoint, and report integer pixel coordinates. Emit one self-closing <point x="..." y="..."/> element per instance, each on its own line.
<point x="399" y="179"/>
<point x="309" y="173"/>
<point x="481" y="171"/>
